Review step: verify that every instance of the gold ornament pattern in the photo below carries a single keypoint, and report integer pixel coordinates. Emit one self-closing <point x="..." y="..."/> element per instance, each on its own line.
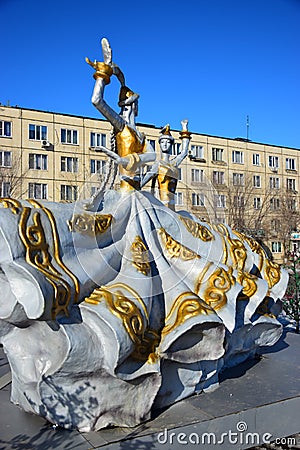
<point x="237" y="249"/>
<point x="133" y="315"/>
<point x="11" y="203"/>
<point x="217" y="286"/>
<point x="41" y="255"/>
<point x="175" y="249"/>
<point x="255" y="247"/>
<point x="90" y="224"/>
<point x="248" y="281"/>
<point x="197" y="230"/>
<point x="272" y="273"/>
<point x="184" y="307"/>
<point x="140" y="256"/>
<point x="221" y="230"/>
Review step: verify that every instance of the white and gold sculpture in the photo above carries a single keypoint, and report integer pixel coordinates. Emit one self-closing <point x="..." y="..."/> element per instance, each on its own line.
<point x="118" y="305"/>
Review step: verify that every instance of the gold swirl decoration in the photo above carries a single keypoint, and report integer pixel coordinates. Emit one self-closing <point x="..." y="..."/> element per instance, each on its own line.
<point x="217" y="286"/>
<point x="271" y="270"/>
<point x="11" y="203"/>
<point x="221" y="229"/>
<point x="134" y="321"/>
<point x="255" y="247"/>
<point x="175" y="249"/>
<point x="197" y="230"/>
<point x="185" y="306"/>
<point x="237" y="249"/>
<point x="272" y="273"/>
<point x="90" y="224"/>
<point x="140" y="256"/>
<point x="248" y="281"/>
<point x="39" y="256"/>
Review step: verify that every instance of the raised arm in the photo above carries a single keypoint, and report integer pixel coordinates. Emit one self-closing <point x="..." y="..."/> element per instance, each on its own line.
<point x="103" y="72"/>
<point x="185" y="136"/>
<point x="98" y="101"/>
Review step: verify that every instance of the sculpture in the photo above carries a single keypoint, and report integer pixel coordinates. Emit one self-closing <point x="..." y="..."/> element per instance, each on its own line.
<point x="165" y="171"/>
<point x="119" y="305"/>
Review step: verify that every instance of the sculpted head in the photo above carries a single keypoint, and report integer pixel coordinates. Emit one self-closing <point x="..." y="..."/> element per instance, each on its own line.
<point x="166" y="140"/>
<point x="128" y="101"/>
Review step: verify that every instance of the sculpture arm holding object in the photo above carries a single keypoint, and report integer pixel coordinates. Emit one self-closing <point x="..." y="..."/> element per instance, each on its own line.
<point x="102" y="78"/>
<point x="185" y="136"/>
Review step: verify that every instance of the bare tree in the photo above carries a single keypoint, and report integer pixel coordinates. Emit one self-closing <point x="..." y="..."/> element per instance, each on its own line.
<point x="285" y="218"/>
<point x="12" y="175"/>
<point x="247" y="208"/>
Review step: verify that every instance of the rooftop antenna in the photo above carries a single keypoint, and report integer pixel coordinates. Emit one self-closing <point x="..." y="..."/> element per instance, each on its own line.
<point x="247" y="128"/>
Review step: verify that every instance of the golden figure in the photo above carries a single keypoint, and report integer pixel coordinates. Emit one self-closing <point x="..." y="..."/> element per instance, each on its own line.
<point x="132" y="150"/>
<point x="165" y="171"/>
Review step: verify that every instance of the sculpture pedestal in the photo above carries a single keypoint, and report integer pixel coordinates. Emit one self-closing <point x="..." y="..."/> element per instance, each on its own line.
<point x="264" y="394"/>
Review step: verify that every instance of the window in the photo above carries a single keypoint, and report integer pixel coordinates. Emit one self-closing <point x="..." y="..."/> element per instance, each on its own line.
<point x="38" y="132"/>
<point x="218" y="177"/>
<point x="291" y="184"/>
<point x="97" y="139"/>
<point x="38" y="162"/>
<point x="237" y="157"/>
<point x="179" y="173"/>
<point x="274" y="183"/>
<point x="93" y="190"/>
<point x="274" y="203"/>
<point x="178" y="198"/>
<point x="5" y="159"/>
<point x="256" y="181"/>
<point x="275" y="225"/>
<point x="257" y="203"/>
<point x="98" y="166"/>
<point x="152" y="143"/>
<point x="273" y="162"/>
<point x="220" y="201"/>
<point x="197" y="175"/>
<point x="290" y="164"/>
<point x="238" y="202"/>
<point x="292" y="204"/>
<point x="256" y="159"/>
<point x="5" y="128"/>
<point x="38" y="190"/>
<point x="197" y="151"/>
<point x="68" y="136"/>
<point x="176" y="147"/>
<point x="69" y="164"/>
<point x="5" y="188"/>
<point x="238" y="179"/>
<point x="68" y="192"/>
<point x="198" y="199"/>
<point x="276" y="247"/>
<point x="217" y="154"/>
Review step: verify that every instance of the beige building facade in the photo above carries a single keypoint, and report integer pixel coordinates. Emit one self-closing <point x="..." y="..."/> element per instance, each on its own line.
<point x="251" y="186"/>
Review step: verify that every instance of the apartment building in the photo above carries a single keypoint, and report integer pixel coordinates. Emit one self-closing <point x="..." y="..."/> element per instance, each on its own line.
<point x="51" y="156"/>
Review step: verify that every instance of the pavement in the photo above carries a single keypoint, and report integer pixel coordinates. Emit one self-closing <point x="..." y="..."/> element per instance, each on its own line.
<point x="257" y="402"/>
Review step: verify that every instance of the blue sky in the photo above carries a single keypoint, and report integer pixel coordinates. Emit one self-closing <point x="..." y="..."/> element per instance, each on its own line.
<point x="211" y="61"/>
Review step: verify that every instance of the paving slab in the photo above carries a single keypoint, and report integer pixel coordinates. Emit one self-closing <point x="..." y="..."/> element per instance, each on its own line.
<point x="261" y="396"/>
